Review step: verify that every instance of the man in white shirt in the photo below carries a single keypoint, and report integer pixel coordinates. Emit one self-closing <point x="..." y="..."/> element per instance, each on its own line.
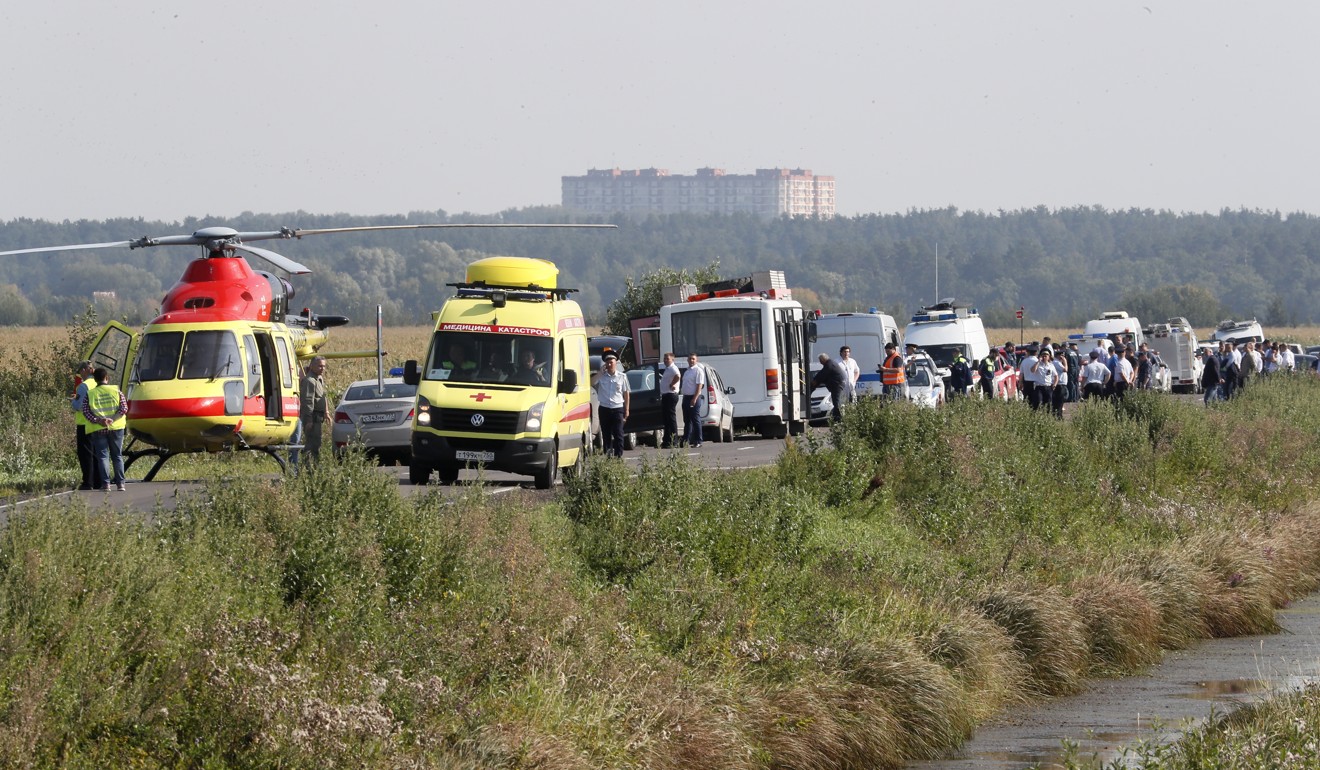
<point x="694" y="384"/>
<point x="853" y="371"/>
<point x="1124" y="373"/>
<point x="671" y="381"/>
<point x="1030" y="378"/>
<point x="1095" y="375"/>
<point x="612" y="391"/>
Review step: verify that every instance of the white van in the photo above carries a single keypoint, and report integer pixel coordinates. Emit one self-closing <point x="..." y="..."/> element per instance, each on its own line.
<point x="946" y="328"/>
<point x="754" y="332"/>
<point x="1176" y="344"/>
<point x="1238" y="332"/>
<point x="866" y="334"/>
<point x="1115" y="324"/>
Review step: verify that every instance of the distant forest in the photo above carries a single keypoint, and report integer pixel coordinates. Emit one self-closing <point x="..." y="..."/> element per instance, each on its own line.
<point x="1064" y="266"/>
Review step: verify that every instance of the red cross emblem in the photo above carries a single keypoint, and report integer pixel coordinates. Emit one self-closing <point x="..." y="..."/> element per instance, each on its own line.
<point x="480" y="397"/>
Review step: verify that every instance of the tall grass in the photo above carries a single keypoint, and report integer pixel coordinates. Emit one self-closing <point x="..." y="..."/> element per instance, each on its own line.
<point x="888" y="585"/>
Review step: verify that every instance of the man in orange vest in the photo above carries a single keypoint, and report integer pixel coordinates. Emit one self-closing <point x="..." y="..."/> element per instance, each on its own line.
<point x="893" y="373"/>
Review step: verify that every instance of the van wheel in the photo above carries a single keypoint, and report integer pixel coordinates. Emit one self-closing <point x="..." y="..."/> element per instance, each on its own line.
<point x="578" y="468"/>
<point x="547" y="476"/>
<point x="419" y="473"/>
<point x="630" y="441"/>
<point x="448" y="473"/>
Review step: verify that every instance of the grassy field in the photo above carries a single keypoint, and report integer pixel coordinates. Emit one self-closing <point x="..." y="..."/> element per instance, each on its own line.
<point x="884" y="588"/>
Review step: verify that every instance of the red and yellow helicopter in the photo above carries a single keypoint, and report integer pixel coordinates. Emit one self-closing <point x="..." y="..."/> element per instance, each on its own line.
<point x="218" y="368"/>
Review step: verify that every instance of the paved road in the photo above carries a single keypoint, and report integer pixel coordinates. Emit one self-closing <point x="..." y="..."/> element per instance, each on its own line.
<point x="746" y="452"/>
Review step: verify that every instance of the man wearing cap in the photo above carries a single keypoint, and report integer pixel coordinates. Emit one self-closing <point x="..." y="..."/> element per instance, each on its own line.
<point x="1094" y="377"/>
<point x="82" y="381"/>
<point x="893" y="371"/>
<point x="612" y="392"/>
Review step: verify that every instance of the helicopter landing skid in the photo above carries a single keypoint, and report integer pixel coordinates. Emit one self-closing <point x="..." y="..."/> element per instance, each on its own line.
<point x="163" y="455"/>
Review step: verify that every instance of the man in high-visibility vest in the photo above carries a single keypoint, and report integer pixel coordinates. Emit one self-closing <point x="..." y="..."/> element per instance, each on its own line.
<point x="106" y="410"/>
<point x="893" y="373"/>
<point x="83" y="381"/>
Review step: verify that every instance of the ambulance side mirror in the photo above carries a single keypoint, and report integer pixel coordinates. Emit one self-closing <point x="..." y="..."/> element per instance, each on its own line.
<point x="568" y="381"/>
<point x="411" y="374"/>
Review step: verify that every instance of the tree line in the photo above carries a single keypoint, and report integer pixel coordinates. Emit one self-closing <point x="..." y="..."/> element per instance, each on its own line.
<point x="1063" y="266"/>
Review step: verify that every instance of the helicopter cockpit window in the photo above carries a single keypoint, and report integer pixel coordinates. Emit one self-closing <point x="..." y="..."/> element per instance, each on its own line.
<point x="158" y="358"/>
<point x="208" y="355"/>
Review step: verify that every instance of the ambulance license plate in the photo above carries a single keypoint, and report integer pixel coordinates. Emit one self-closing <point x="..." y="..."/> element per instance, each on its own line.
<point x="481" y="457"/>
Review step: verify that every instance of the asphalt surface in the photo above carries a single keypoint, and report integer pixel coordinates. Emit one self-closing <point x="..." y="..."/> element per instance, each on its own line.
<point x="145" y="497"/>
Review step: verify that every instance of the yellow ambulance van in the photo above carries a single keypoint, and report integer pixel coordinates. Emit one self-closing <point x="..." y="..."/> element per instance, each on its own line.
<point x="505" y="383"/>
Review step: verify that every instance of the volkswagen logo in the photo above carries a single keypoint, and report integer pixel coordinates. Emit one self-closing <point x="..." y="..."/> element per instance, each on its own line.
<point x="478" y="419"/>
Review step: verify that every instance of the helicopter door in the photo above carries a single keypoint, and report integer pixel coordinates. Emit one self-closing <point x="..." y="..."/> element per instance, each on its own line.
<point x="114" y="350"/>
<point x="263" y="373"/>
<point x="270" y="377"/>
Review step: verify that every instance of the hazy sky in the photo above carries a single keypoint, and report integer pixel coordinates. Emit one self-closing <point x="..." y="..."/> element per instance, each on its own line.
<point x="164" y="110"/>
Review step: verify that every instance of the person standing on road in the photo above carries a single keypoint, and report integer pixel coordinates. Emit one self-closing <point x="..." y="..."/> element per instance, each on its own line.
<point x="1124" y="373"/>
<point x="313" y="409"/>
<point x="1074" y="363"/>
<point x="106" y="411"/>
<point x="1211" y="380"/>
<point x="833" y="377"/>
<point x="612" y="392"/>
<point x="960" y="375"/>
<point x="671" y="381"/>
<point x="893" y="373"/>
<point x="853" y="371"/>
<point x="1030" y="377"/>
<point x="1094" y="377"/>
<point x="694" y="383"/>
<point x="83" y="442"/>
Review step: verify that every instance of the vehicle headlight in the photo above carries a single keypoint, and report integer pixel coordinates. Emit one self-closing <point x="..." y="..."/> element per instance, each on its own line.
<point x="423" y="411"/>
<point x="534" y="416"/>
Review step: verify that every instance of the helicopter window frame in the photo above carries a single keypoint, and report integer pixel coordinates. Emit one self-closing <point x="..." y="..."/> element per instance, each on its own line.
<point x="158" y="356"/>
<point x="252" y="364"/>
<point x="219" y="355"/>
<point x="286" y="369"/>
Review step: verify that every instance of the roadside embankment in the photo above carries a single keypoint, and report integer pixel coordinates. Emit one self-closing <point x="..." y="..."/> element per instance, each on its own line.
<point x="874" y="597"/>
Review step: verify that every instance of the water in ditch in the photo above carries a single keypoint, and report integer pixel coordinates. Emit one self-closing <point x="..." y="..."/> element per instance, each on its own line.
<point x="1211" y="677"/>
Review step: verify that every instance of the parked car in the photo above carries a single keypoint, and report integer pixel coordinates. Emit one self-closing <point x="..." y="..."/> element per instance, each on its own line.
<point x="925" y="385"/>
<point x="646" y="420"/>
<point x="379" y="421"/>
<point x="715" y="409"/>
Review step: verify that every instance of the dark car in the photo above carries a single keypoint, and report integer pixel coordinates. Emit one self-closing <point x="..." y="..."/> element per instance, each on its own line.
<point x="646" y="420"/>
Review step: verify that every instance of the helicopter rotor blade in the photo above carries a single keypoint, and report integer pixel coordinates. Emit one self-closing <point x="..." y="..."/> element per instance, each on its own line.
<point x="278" y="260"/>
<point x="298" y="233"/>
<point x="116" y="244"/>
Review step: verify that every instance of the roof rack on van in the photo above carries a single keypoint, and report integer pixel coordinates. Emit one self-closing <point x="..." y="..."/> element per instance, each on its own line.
<point x="944" y="310"/>
<point x="529" y="293"/>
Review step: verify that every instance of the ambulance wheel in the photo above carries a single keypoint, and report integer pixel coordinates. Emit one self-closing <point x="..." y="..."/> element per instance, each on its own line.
<point x="419" y="473"/>
<point x="579" y="466"/>
<point x="448" y="473"/>
<point x="547" y="476"/>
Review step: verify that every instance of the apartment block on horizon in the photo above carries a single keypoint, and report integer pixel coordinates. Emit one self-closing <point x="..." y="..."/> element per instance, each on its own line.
<point x="769" y="193"/>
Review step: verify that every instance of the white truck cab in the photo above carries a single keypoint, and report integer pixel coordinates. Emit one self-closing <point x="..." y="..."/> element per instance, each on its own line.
<point x="1115" y="324"/>
<point x="946" y="328"/>
<point x="1175" y="342"/>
